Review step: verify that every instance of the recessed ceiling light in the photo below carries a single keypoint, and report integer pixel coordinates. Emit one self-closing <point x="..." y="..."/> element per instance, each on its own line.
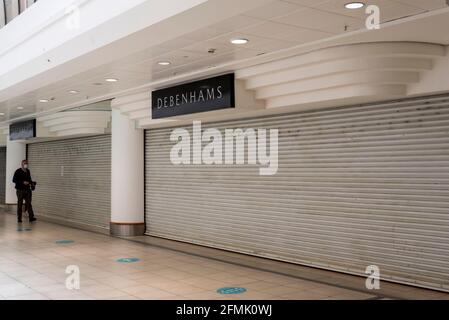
<point x="73" y="91"/>
<point x="239" y="41"/>
<point x="164" y="63"/>
<point x="354" y="5"/>
<point x="43" y="100"/>
<point x="111" y="80"/>
<point x="1" y="114"/>
<point x="19" y="108"/>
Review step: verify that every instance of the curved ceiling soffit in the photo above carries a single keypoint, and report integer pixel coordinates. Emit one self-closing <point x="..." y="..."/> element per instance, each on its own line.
<point x="353" y="72"/>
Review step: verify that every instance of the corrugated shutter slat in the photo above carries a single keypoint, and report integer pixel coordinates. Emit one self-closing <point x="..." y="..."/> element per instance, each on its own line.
<point x="83" y="194"/>
<point x="356" y="186"/>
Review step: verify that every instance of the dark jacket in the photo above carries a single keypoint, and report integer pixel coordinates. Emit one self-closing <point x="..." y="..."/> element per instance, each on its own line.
<point x="20" y="176"/>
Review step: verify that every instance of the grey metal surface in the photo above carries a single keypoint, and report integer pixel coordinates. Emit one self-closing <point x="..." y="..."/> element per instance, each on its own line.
<point x="74" y="180"/>
<point x="356" y="186"/>
<point x="127" y="230"/>
<point x="10" y="9"/>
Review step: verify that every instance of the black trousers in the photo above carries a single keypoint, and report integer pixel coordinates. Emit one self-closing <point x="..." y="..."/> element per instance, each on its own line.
<point x="24" y="195"/>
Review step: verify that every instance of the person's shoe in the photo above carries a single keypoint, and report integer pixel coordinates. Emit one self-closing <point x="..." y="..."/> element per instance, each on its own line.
<point x="32" y="219"/>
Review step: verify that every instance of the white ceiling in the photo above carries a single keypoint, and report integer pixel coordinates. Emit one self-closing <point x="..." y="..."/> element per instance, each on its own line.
<point x="282" y="24"/>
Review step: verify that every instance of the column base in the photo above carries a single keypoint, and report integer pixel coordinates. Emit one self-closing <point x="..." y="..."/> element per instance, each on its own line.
<point x="119" y="229"/>
<point x="9" y="208"/>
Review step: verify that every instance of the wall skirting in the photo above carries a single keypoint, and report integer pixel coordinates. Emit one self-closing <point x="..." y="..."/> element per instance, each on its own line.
<point x="73" y="224"/>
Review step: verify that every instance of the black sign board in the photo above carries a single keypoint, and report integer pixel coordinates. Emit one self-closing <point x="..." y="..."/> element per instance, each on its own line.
<point x="22" y="130"/>
<point x="200" y="96"/>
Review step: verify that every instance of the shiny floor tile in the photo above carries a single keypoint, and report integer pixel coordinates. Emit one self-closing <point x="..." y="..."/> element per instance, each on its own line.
<point x="34" y="266"/>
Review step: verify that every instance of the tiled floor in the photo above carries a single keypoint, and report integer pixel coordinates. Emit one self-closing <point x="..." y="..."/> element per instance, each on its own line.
<point x="33" y="265"/>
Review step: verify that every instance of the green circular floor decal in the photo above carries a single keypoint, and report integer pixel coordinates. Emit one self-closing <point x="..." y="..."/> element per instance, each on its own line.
<point x="64" y="241"/>
<point x="24" y="229"/>
<point x="231" y="290"/>
<point x="128" y="260"/>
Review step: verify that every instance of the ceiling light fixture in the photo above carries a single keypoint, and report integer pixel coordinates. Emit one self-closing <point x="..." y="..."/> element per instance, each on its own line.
<point x="164" y="63"/>
<point x="73" y="91"/>
<point x="354" y="5"/>
<point x="43" y="100"/>
<point x="1" y="114"/>
<point x="111" y="80"/>
<point x="19" y="108"/>
<point x="239" y="41"/>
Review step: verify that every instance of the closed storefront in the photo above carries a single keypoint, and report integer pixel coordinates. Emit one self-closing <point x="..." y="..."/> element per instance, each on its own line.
<point x="355" y="186"/>
<point x="73" y="179"/>
<point x="2" y="174"/>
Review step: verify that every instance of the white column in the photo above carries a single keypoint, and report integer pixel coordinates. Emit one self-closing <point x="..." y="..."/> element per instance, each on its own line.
<point x="127" y="177"/>
<point x="15" y="153"/>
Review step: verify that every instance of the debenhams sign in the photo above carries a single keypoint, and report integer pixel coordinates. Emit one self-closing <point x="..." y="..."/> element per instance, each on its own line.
<point x="200" y="96"/>
<point x="22" y="130"/>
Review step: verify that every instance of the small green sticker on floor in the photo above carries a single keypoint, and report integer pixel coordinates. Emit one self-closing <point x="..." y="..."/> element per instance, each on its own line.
<point x="128" y="260"/>
<point x="64" y="241"/>
<point x="24" y="229"/>
<point x="231" y="290"/>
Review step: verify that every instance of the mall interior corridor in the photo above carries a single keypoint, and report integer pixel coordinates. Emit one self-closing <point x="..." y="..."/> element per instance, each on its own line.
<point x="34" y="258"/>
<point x="224" y="159"/>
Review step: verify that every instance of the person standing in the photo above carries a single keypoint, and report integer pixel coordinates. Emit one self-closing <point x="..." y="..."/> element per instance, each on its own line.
<point x="23" y="181"/>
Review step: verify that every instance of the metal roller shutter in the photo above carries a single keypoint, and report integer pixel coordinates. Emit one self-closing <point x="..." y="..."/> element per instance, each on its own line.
<point x="356" y="186"/>
<point x="2" y="174"/>
<point x="2" y="14"/>
<point x="74" y="179"/>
